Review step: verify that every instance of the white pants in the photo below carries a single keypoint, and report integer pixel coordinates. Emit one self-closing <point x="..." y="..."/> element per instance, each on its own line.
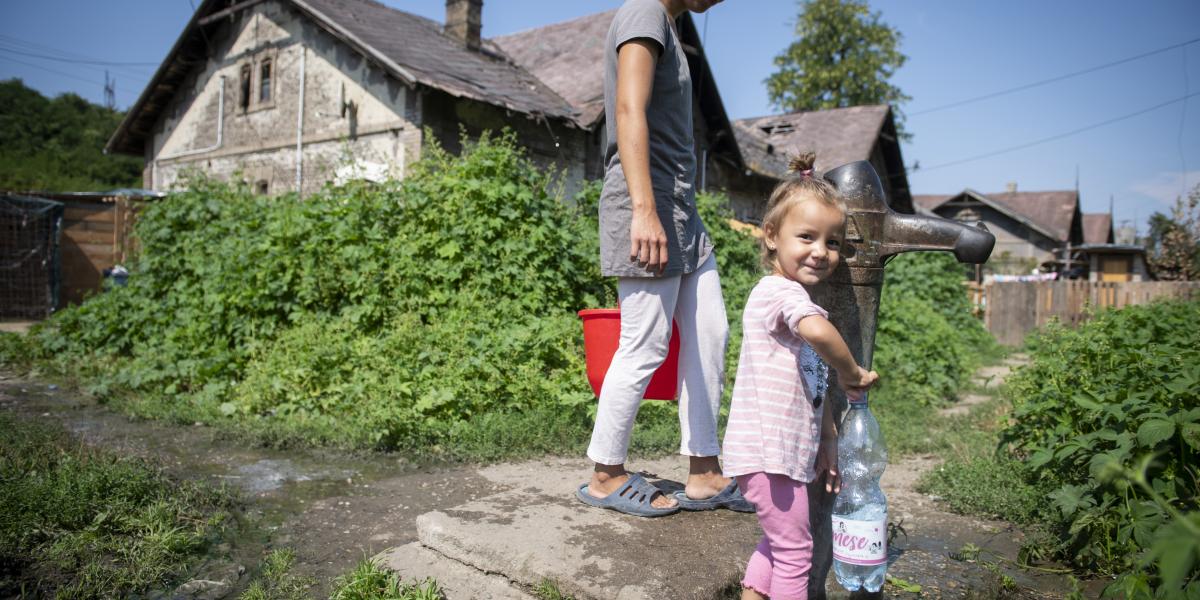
<point x="647" y="306"/>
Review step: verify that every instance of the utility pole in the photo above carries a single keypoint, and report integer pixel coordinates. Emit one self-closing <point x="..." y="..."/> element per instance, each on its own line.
<point x="110" y="92"/>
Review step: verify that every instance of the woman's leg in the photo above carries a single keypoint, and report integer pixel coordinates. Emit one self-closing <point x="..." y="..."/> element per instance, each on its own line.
<point x="779" y="567"/>
<point x="704" y="334"/>
<point x="646" y="309"/>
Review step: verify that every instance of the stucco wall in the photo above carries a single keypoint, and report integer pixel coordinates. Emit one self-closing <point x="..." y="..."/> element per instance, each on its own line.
<point x="260" y="142"/>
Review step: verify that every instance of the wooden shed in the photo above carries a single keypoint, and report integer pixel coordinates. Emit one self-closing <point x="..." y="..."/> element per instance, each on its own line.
<point x="96" y="234"/>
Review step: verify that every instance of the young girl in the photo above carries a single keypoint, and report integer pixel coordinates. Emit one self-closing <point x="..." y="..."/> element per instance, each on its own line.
<point x="780" y="435"/>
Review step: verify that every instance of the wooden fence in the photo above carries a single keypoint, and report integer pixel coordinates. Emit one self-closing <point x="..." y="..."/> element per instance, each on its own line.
<point x="1013" y="309"/>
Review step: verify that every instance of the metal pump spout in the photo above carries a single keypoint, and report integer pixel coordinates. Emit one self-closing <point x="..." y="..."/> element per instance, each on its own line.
<point x="874" y="234"/>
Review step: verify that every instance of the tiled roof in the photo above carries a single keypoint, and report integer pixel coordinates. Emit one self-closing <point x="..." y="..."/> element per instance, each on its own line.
<point x="1097" y="228"/>
<point x="837" y="135"/>
<point x="423" y="53"/>
<point x="1051" y="211"/>
<point x="568" y="57"/>
<point x="930" y="201"/>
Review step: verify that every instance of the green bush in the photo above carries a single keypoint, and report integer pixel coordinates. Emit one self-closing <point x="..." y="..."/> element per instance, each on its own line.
<point x="1121" y="388"/>
<point x="433" y="314"/>
<point x="927" y="341"/>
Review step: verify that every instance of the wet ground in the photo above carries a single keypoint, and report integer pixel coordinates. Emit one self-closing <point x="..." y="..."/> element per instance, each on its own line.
<point x="334" y="509"/>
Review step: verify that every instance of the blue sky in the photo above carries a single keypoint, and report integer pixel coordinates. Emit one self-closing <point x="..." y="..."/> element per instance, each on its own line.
<point x="956" y="51"/>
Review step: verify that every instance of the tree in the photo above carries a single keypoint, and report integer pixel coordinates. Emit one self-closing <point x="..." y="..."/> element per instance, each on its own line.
<point x="1174" y="242"/>
<point x="57" y="144"/>
<point x="843" y="56"/>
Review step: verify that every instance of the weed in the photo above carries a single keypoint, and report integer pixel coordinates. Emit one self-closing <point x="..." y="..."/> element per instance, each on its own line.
<point x="547" y="589"/>
<point x="81" y="522"/>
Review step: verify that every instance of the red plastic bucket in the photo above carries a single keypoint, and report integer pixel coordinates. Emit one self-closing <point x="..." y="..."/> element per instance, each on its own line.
<point x="602" y="331"/>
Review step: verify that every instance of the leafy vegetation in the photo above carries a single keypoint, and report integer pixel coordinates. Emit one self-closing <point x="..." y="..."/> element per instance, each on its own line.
<point x="926" y="347"/>
<point x="57" y="144"/>
<point x="1104" y="434"/>
<point x="1173" y="243"/>
<point x="843" y="56"/>
<point x="433" y="315"/>
<point x="82" y="523"/>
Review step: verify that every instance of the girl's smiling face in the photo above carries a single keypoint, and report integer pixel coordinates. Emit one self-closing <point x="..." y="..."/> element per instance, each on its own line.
<point x="808" y="244"/>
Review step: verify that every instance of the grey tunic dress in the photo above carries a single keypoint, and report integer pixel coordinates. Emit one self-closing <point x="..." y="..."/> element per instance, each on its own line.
<point x="672" y="153"/>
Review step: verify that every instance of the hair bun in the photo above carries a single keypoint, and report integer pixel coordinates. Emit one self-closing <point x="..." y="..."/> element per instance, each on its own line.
<point x="802" y="164"/>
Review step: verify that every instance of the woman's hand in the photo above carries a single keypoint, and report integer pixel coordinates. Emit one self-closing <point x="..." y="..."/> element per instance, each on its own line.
<point x="827" y="464"/>
<point x="856" y="383"/>
<point x="648" y="241"/>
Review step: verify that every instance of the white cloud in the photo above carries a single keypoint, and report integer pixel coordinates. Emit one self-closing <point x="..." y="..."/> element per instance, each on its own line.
<point x="1166" y="186"/>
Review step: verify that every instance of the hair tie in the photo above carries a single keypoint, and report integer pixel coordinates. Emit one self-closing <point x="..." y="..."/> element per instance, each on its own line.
<point x="806" y="173"/>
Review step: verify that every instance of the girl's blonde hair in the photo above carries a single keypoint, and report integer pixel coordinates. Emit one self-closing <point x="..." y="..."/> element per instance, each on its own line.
<point x="801" y="185"/>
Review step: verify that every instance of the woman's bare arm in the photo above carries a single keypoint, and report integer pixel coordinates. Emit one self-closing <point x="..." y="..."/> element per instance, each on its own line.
<point x="635" y="81"/>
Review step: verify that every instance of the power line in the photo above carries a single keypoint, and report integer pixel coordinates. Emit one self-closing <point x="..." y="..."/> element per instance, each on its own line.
<point x="26" y="46"/>
<point x="1054" y="137"/>
<point x="1053" y="79"/>
<point x="56" y="72"/>
<point x="102" y="63"/>
<point x="78" y="61"/>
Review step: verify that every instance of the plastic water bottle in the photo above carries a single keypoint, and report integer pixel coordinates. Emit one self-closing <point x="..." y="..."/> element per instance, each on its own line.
<point x="860" y="510"/>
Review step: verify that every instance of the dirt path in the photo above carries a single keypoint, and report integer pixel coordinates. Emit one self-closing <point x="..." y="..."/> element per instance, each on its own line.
<point x="334" y="509"/>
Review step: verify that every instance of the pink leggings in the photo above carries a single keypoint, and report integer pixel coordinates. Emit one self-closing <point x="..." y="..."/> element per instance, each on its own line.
<point x="779" y="566"/>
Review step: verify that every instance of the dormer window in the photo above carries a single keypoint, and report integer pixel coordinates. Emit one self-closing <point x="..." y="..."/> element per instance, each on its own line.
<point x="264" y="81"/>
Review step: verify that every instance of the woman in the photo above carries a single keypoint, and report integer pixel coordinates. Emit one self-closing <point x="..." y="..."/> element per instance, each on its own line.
<point x="652" y="240"/>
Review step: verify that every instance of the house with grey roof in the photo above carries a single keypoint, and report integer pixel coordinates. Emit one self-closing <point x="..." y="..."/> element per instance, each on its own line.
<point x="1031" y="228"/>
<point x="290" y="94"/>
<point x="838" y="136"/>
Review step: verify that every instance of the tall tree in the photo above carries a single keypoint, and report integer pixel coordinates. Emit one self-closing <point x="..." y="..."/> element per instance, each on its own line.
<point x="57" y="145"/>
<point x="1174" y="241"/>
<point x="843" y="56"/>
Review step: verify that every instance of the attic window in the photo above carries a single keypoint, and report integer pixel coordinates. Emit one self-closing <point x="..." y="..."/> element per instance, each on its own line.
<point x="264" y="81"/>
<point x="778" y="128"/>
<point x="244" y="97"/>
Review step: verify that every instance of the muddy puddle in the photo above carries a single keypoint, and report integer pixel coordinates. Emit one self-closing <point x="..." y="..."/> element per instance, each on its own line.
<point x="332" y="509"/>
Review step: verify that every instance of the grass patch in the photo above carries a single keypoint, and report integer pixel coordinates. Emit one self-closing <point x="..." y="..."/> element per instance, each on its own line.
<point x="78" y="522"/>
<point x="366" y="581"/>
<point x="992" y="487"/>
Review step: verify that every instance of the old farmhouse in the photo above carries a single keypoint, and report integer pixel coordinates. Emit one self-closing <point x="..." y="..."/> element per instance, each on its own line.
<point x="290" y="94"/>
<point x="294" y="93"/>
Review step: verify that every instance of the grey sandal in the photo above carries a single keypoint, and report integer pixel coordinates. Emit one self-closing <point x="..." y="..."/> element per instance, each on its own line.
<point x="632" y="498"/>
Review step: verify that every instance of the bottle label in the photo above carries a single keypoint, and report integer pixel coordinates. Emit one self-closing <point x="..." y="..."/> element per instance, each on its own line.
<point x="860" y="542"/>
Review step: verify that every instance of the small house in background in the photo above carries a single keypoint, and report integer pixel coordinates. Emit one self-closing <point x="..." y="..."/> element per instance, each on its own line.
<point x="838" y="136"/>
<point x="1106" y="260"/>
<point x="1034" y="230"/>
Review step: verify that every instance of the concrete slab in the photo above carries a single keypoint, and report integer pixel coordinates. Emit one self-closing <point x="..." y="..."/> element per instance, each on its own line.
<point x="537" y="531"/>
<point x="457" y="581"/>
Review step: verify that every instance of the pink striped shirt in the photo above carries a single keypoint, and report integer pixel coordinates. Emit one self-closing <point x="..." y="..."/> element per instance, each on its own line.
<point x="773" y="426"/>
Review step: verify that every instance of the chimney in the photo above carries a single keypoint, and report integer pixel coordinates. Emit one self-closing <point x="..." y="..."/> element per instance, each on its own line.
<point x="464" y="20"/>
<point x="1011" y="187"/>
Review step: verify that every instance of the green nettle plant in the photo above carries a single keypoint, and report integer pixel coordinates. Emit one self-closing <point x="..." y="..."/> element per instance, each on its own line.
<point x="1123" y="389"/>
<point x="927" y="340"/>
<point x="434" y="314"/>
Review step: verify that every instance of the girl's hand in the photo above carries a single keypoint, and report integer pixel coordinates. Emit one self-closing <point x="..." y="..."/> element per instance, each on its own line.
<point x="827" y="465"/>
<point x="857" y="383"/>
<point x="648" y="241"/>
